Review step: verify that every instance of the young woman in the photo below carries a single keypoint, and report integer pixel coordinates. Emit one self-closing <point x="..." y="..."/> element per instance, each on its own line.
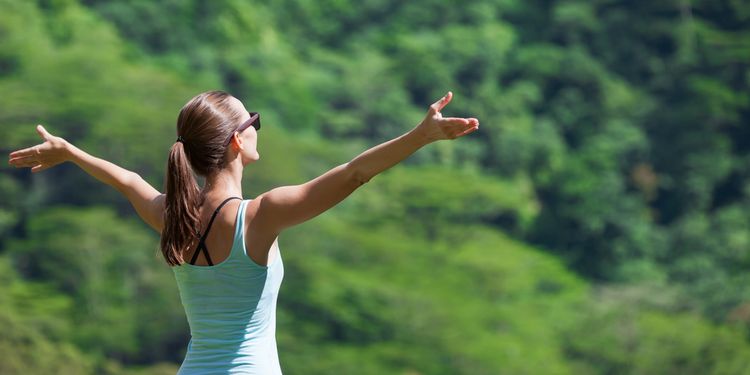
<point x="227" y="261"/>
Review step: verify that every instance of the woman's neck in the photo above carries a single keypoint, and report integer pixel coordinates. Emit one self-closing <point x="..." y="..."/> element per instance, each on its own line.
<point x="224" y="183"/>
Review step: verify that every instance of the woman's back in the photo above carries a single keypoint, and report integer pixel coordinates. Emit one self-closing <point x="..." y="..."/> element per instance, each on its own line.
<point x="231" y="309"/>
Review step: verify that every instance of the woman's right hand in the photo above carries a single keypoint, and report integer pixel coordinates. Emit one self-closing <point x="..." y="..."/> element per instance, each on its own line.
<point x="53" y="151"/>
<point x="435" y="127"/>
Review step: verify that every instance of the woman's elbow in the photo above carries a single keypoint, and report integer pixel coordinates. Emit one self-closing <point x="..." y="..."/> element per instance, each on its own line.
<point x="124" y="182"/>
<point x="357" y="175"/>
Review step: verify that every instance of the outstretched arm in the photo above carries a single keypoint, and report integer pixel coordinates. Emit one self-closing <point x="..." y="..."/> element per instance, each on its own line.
<point x="286" y="206"/>
<point x="147" y="201"/>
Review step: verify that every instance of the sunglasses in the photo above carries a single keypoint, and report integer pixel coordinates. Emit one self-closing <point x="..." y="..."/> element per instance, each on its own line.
<point x="253" y="121"/>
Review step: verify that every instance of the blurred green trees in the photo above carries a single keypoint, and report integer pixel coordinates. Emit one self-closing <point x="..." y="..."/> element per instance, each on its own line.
<point x="596" y="224"/>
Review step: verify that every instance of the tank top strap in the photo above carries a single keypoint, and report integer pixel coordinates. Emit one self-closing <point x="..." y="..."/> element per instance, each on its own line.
<point x="239" y="230"/>
<point x="202" y="241"/>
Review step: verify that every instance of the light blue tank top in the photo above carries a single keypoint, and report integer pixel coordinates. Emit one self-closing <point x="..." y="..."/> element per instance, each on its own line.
<point x="231" y="309"/>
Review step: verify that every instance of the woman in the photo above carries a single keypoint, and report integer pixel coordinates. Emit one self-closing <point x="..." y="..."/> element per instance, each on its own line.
<point x="229" y="267"/>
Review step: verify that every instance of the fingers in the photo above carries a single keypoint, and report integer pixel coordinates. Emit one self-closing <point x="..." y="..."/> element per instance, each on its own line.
<point x="458" y="127"/>
<point x="31" y="157"/>
<point x="39" y="168"/>
<point x="440" y="104"/>
<point x="43" y="132"/>
<point x="23" y="162"/>
<point x="30" y="151"/>
<point x="32" y="162"/>
<point x="457" y="120"/>
<point x="467" y="131"/>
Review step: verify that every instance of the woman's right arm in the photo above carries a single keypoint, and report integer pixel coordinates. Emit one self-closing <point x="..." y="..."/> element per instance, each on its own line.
<point x="147" y="201"/>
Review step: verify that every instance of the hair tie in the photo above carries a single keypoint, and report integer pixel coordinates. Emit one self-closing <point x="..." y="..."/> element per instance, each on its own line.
<point x="180" y="139"/>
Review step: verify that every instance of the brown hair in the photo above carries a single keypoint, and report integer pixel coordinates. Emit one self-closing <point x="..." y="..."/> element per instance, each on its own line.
<point x="203" y="125"/>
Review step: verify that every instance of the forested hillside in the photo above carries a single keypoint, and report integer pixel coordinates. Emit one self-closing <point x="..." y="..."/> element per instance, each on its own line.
<point x="597" y="223"/>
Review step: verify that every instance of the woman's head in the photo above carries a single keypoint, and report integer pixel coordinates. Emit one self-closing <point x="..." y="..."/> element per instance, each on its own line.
<point x="207" y="142"/>
<point x="205" y="124"/>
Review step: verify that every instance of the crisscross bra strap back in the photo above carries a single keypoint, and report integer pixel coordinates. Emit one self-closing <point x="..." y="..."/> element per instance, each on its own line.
<point x="202" y="241"/>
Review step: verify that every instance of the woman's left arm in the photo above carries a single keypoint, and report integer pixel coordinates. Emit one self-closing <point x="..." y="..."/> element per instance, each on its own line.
<point x="147" y="201"/>
<point x="286" y="206"/>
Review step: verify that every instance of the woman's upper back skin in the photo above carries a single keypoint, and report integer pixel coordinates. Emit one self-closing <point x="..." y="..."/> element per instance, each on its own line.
<point x="219" y="241"/>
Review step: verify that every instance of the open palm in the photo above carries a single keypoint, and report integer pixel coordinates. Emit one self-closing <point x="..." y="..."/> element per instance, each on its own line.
<point x="436" y="127"/>
<point x="51" y="152"/>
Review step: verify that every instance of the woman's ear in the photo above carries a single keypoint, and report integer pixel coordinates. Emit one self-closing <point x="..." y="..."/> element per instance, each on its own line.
<point x="237" y="142"/>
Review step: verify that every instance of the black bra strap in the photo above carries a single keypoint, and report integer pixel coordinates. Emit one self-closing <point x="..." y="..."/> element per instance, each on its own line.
<point x="202" y="241"/>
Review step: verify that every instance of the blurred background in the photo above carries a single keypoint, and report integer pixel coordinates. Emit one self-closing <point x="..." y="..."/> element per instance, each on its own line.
<point x="597" y="223"/>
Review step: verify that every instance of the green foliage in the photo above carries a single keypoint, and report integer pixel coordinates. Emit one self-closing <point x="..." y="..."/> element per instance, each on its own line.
<point x="434" y="198"/>
<point x="115" y="282"/>
<point x="34" y="328"/>
<point x="27" y="351"/>
<point x="622" y="337"/>
<point x="367" y="297"/>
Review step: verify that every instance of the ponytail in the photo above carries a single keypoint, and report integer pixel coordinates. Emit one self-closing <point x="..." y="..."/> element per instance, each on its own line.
<point x="181" y="215"/>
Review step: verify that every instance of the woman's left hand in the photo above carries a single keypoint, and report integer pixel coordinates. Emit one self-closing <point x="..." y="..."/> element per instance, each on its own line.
<point x="435" y="127"/>
<point x="52" y="152"/>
